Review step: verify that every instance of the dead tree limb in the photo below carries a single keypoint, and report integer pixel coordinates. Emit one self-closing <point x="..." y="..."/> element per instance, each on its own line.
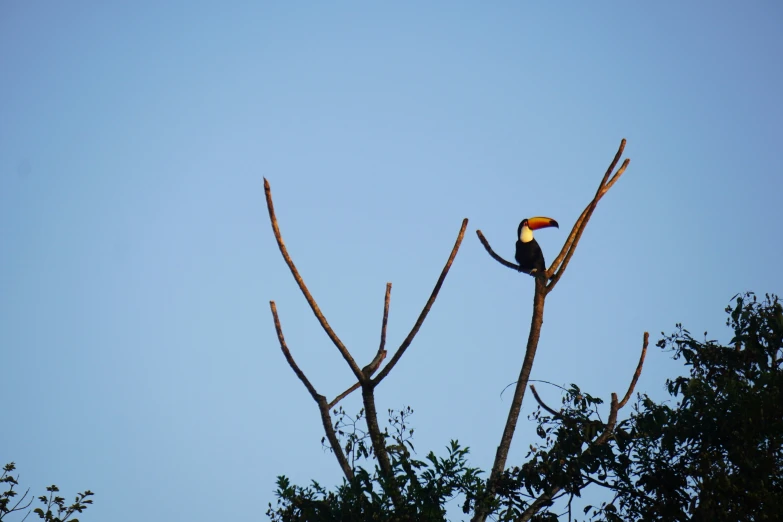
<point x="606" y="434"/>
<point x="319" y="399"/>
<point x="545" y="283"/>
<point x="495" y="256"/>
<point x="385" y="320"/>
<point x="555" y="272"/>
<point x="308" y="296"/>
<point x="363" y="375"/>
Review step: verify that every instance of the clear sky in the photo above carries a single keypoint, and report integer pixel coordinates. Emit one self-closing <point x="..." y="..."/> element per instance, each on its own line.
<point x="139" y="357"/>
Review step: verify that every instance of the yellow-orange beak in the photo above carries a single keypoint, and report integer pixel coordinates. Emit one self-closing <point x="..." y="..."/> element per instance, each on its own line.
<point x="535" y="223"/>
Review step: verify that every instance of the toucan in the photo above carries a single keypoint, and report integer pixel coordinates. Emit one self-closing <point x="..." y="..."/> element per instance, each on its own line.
<point x="529" y="255"/>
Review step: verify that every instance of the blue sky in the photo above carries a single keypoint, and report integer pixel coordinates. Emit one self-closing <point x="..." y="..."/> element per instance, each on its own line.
<point x="137" y="261"/>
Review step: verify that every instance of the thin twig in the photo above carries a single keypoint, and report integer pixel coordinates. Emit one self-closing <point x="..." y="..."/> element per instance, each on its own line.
<point x="638" y="371"/>
<point x="298" y="278"/>
<point x="425" y="310"/>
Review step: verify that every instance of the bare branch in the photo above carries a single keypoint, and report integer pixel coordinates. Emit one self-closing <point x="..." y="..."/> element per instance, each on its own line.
<point x="326" y="421"/>
<point x="614" y="179"/>
<point x="385" y="320"/>
<point x="310" y="300"/>
<point x="612" y="165"/>
<point x="638" y="371"/>
<point x="288" y="357"/>
<point x="344" y="394"/>
<point x="570" y="240"/>
<point x="497" y="257"/>
<point x="560" y="263"/>
<point x="579" y="226"/>
<point x="320" y="400"/>
<point x="425" y="310"/>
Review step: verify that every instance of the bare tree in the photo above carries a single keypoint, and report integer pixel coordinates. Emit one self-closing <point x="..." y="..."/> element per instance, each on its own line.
<point x="544" y="284"/>
<point x="364" y="378"/>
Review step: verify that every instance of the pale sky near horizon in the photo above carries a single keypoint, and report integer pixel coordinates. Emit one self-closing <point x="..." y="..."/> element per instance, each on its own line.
<point x="137" y="262"/>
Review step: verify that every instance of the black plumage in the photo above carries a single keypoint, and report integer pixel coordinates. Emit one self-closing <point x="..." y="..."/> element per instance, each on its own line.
<point x="529" y="256"/>
<point x="528" y="253"/>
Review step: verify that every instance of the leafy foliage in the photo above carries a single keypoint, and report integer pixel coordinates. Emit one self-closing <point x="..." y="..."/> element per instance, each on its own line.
<point x="718" y="454"/>
<point x="714" y="453"/>
<point x="55" y="508"/>
<point x="426" y="485"/>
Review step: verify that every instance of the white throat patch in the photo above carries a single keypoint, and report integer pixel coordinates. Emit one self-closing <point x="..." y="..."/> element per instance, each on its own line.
<point x="526" y="236"/>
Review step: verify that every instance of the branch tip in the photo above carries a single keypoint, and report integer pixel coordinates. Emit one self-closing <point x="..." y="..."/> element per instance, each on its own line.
<point x="423" y="315"/>
<point x="287" y="353"/>
<point x="299" y="281"/>
<point x="638" y="372"/>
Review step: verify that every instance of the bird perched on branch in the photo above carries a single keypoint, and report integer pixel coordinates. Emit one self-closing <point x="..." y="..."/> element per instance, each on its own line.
<point x="529" y="255"/>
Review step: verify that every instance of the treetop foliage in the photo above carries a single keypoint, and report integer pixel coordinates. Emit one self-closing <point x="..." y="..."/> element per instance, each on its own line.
<point x="55" y="508"/>
<point x="715" y="453"/>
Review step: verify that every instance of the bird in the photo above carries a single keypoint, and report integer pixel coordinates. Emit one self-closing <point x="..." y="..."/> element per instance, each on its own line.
<point x="528" y="254"/>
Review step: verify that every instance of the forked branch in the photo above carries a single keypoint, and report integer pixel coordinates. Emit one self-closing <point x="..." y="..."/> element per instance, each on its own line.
<point x="555" y="271"/>
<point x="298" y="278"/>
<point x="363" y="375"/>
